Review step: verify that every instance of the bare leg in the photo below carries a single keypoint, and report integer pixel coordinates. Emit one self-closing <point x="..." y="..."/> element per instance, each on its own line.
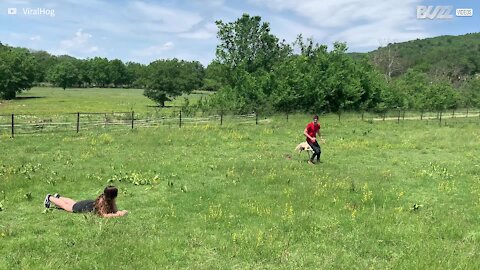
<point x="63" y="202"/>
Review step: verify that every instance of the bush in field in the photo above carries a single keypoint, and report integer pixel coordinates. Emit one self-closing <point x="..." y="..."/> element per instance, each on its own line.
<point x="64" y="74"/>
<point x="166" y="79"/>
<point x="17" y="72"/>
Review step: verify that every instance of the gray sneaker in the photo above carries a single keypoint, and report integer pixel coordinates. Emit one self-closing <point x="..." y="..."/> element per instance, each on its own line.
<point x="46" y="202"/>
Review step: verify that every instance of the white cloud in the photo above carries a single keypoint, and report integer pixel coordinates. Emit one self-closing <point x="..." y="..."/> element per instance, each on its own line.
<point x="207" y="32"/>
<point x="289" y="30"/>
<point x="80" y="44"/>
<point x="153" y="51"/>
<point x="157" y="18"/>
<point x="17" y="2"/>
<point x="209" y="3"/>
<point x="35" y="38"/>
<point x="360" y="23"/>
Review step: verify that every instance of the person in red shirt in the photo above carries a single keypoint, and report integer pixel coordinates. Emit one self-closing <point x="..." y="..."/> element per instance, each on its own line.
<point x="311" y="133"/>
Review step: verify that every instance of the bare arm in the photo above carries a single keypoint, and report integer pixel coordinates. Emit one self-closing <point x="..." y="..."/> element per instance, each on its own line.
<point x="117" y="214"/>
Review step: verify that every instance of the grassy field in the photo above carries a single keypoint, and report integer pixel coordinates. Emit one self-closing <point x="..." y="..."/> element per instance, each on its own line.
<point x="387" y="196"/>
<point x="47" y="100"/>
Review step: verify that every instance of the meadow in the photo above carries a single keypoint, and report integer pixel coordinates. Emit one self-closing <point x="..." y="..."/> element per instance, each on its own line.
<point x="50" y="100"/>
<point x="388" y="195"/>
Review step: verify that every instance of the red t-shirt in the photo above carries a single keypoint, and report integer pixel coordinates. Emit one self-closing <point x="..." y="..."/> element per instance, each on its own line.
<point x="312" y="130"/>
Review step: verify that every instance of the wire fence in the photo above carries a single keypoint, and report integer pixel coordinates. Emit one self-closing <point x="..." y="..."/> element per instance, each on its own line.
<point x="416" y="115"/>
<point x="22" y="124"/>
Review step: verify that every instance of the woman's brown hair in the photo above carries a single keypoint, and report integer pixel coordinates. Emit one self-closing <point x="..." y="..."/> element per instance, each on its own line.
<point x="105" y="203"/>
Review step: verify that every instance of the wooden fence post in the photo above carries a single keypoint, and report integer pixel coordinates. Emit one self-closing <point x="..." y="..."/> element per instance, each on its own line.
<point x="133" y="117"/>
<point x="180" y="120"/>
<point x="78" y="122"/>
<point x="13" y="126"/>
<point x="221" y="117"/>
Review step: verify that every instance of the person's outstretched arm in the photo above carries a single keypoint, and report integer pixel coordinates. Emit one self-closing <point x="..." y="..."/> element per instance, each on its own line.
<point x="117" y="214"/>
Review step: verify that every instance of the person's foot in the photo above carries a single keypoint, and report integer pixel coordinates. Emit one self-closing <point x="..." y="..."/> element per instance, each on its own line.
<point x="56" y="195"/>
<point x="319" y="161"/>
<point x="47" y="201"/>
<point x="311" y="162"/>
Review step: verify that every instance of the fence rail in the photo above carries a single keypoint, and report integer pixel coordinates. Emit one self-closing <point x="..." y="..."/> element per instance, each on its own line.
<point x="17" y="124"/>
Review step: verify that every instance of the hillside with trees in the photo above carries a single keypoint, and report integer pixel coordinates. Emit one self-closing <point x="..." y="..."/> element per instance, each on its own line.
<point x="456" y="58"/>
<point x="256" y="71"/>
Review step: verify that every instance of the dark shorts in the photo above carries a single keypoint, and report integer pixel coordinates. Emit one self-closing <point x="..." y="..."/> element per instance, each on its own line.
<point x="84" y="206"/>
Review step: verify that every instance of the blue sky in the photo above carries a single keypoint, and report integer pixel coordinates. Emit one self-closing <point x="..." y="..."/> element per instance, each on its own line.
<point x="145" y="30"/>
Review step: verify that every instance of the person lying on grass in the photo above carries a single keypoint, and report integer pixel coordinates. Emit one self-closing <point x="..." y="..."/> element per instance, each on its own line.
<point x="103" y="206"/>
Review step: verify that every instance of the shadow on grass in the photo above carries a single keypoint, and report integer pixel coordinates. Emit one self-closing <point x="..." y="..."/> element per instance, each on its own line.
<point x="166" y="106"/>
<point x="32" y="97"/>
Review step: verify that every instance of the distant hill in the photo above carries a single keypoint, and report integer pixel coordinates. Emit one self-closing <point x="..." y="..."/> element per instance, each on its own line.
<point x="454" y="57"/>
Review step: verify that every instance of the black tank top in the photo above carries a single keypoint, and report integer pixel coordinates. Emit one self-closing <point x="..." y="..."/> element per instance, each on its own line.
<point x="84" y="206"/>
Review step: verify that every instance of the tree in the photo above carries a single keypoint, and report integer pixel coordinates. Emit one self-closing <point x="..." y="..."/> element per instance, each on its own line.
<point x="64" y="74"/>
<point x="247" y="54"/>
<point x="118" y="72"/>
<point x="248" y="43"/>
<point x="342" y="80"/>
<point x="17" y="72"/>
<point x="135" y="74"/>
<point x="388" y="61"/>
<point x="44" y="62"/>
<point x="441" y="96"/>
<point x="214" y="76"/>
<point x="100" y="71"/>
<point x="165" y="79"/>
<point x="470" y="93"/>
<point x="84" y="73"/>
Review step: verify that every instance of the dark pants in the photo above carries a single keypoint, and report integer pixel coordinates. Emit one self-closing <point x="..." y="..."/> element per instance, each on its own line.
<point x="316" y="150"/>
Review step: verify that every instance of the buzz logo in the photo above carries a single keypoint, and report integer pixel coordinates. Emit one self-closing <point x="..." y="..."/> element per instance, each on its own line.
<point x="434" y="12"/>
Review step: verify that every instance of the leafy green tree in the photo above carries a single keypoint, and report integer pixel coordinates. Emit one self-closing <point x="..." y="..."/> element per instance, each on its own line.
<point x="246" y="54"/>
<point x="166" y="79"/>
<point x="342" y="80"/>
<point x="44" y="62"/>
<point x="214" y="76"/>
<point x="64" y="75"/>
<point x="99" y="71"/>
<point x="470" y="94"/>
<point x="441" y="96"/>
<point x="372" y="84"/>
<point x="118" y="73"/>
<point x="84" y="73"/>
<point x="247" y="42"/>
<point x="17" y="72"/>
<point x="411" y="90"/>
<point x="135" y="74"/>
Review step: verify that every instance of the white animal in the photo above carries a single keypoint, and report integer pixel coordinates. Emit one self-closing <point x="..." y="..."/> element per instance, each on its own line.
<point x="304" y="146"/>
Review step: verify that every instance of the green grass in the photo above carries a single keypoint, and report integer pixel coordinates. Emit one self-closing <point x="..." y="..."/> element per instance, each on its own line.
<point x="46" y="100"/>
<point x="388" y="195"/>
<point x="238" y="197"/>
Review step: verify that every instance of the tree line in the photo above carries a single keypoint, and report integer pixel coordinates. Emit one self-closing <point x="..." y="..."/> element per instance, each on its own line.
<point x="256" y="71"/>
